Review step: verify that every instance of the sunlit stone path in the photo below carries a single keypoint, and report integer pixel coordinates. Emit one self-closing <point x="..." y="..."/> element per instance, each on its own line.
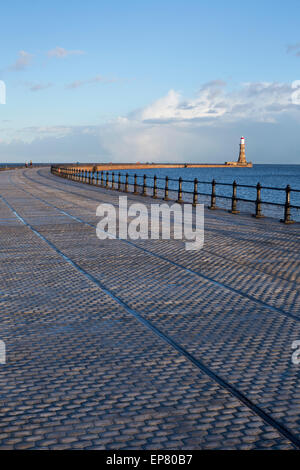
<point x="143" y="345"/>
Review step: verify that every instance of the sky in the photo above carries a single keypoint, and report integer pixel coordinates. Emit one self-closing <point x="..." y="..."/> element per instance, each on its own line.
<point x="163" y="81"/>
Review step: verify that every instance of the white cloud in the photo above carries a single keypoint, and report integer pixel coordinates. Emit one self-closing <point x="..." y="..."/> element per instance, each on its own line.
<point x="97" y="79"/>
<point x="61" y="53"/>
<point x="261" y="101"/>
<point x="23" y="61"/>
<point x="33" y="86"/>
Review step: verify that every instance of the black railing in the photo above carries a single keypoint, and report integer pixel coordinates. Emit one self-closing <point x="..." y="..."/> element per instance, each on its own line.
<point x="137" y="184"/>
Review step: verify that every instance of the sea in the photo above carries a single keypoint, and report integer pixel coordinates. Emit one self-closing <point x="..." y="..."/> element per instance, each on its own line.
<point x="269" y="176"/>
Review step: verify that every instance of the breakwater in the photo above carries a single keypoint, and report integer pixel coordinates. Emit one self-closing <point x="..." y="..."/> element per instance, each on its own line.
<point x="147" y="166"/>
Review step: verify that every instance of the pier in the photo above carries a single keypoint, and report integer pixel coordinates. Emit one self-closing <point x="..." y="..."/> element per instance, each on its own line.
<point x="121" y="344"/>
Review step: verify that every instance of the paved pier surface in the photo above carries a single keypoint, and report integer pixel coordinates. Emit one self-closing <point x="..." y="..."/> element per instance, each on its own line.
<point x="143" y="345"/>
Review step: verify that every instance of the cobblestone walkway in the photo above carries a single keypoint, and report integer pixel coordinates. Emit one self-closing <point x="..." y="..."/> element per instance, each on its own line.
<point x="143" y="345"/>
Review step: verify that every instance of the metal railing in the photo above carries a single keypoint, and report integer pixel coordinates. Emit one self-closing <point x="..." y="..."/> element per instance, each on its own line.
<point x="137" y="184"/>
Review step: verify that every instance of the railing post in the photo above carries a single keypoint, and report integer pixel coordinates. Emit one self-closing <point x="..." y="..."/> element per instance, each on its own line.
<point x="90" y="177"/>
<point x="258" y="213"/>
<point x="287" y="208"/>
<point x="213" y="196"/>
<point x="119" y="181"/>
<point x="126" y="183"/>
<point x="155" y="187"/>
<point x="135" y="189"/>
<point x="195" y="195"/>
<point x="97" y="177"/>
<point x="234" y="199"/>
<point x="101" y="179"/>
<point x="106" y="181"/>
<point x="112" y="180"/>
<point x="166" y="198"/>
<point x="144" y="192"/>
<point x="179" y="199"/>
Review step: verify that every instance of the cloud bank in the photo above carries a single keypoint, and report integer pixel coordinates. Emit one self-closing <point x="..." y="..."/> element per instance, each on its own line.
<point x="260" y="102"/>
<point x="204" y="128"/>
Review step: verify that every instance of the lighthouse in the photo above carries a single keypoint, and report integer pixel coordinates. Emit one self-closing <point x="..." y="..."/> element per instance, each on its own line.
<point x="242" y="156"/>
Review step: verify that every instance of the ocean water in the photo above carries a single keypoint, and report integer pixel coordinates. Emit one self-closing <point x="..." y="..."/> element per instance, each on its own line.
<point x="278" y="176"/>
<point x="7" y="165"/>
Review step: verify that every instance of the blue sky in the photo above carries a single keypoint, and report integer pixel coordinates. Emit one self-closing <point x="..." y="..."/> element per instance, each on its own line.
<point x="149" y="80"/>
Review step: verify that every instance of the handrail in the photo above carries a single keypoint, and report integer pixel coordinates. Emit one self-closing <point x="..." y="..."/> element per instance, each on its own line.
<point x="115" y="181"/>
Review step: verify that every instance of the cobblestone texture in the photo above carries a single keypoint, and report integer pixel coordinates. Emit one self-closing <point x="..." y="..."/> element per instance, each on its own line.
<point x="82" y="372"/>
